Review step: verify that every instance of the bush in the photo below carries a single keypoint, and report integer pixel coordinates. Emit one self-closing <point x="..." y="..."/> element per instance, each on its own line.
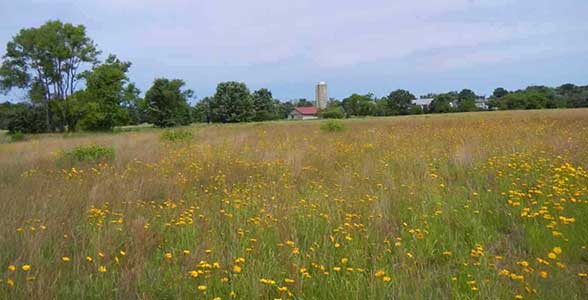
<point x="176" y="135"/>
<point x="416" y="110"/>
<point x="29" y="119"/>
<point x="332" y="126"/>
<point x="89" y="153"/>
<point x="17" y="136"/>
<point x="333" y="113"/>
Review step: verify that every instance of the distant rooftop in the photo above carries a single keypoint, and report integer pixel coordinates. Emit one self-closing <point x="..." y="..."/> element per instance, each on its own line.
<point x="423" y="101"/>
<point x="307" y="110"/>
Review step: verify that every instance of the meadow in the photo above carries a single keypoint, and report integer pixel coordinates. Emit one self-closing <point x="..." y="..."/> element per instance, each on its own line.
<point x="487" y="205"/>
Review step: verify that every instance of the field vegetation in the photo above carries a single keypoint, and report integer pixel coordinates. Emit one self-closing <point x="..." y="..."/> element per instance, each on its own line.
<point x="489" y="205"/>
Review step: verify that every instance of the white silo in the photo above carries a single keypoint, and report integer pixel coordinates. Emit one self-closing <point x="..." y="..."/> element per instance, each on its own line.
<point x="321" y="96"/>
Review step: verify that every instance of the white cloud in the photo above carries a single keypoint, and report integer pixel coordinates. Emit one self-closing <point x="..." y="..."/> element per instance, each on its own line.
<point x="328" y="33"/>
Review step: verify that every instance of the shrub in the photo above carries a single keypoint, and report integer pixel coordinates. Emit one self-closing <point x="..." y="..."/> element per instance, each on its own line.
<point x="333" y="113"/>
<point x="17" y="136"/>
<point x="176" y="135"/>
<point x="416" y="110"/>
<point x="29" y="119"/>
<point x="89" y="153"/>
<point x="332" y="126"/>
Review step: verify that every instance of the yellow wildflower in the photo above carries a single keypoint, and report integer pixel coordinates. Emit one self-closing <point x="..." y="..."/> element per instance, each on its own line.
<point x="240" y="260"/>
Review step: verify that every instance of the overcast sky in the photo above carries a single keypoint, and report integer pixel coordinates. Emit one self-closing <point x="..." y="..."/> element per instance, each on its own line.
<point x="356" y="46"/>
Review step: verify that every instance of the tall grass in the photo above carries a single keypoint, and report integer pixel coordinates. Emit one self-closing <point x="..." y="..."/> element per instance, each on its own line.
<point x="463" y="206"/>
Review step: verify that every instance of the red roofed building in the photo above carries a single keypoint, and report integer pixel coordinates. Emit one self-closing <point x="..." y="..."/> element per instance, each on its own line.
<point x="304" y="113"/>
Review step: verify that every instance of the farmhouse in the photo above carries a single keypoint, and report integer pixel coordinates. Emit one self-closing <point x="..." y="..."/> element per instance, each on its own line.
<point x="424" y="103"/>
<point x="304" y="113"/>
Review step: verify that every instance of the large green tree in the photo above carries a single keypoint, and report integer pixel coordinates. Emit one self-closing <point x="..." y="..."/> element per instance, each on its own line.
<point x="48" y="60"/>
<point x="400" y="102"/>
<point x="499" y="92"/>
<point x="359" y="105"/>
<point x="104" y="94"/>
<point x="231" y="103"/>
<point x="134" y="106"/>
<point x="442" y="103"/>
<point x="265" y="105"/>
<point x="573" y="95"/>
<point x="466" y="100"/>
<point x="167" y="103"/>
<point x="285" y="108"/>
<point x="201" y="111"/>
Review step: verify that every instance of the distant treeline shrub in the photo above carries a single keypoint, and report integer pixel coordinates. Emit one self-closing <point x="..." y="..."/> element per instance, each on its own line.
<point x="333" y="113"/>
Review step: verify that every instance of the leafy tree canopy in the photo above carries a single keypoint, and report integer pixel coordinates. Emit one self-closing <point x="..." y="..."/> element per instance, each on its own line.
<point x="400" y="102"/>
<point x="47" y="61"/>
<point x="359" y="105"/>
<point x="265" y="105"/>
<point x="167" y="103"/>
<point x="232" y="102"/>
<point x="104" y="94"/>
<point x="466" y="100"/>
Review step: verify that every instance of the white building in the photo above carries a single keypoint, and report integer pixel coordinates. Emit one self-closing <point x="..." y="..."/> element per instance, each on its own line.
<point x="423" y="102"/>
<point x="321" y="96"/>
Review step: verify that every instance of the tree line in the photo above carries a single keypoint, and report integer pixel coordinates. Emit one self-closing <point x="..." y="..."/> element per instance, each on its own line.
<point x="69" y="88"/>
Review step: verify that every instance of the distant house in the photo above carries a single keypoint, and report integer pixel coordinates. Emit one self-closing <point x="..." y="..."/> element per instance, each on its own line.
<point x="423" y="102"/>
<point x="482" y="103"/>
<point x="304" y="113"/>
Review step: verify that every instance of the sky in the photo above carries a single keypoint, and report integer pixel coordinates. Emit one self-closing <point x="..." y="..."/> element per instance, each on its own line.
<point x="355" y="46"/>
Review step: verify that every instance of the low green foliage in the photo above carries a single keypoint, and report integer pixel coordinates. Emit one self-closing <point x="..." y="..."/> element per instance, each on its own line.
<point x="176" y="135"/>
<point x="17" y="136"/>
<point x="89" y="153"/>
<point x="333" y="113"/>
<point x="332" y="126"/>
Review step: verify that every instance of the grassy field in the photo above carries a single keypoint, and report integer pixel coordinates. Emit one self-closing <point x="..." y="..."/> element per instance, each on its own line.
<point x="461" y="206"/>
